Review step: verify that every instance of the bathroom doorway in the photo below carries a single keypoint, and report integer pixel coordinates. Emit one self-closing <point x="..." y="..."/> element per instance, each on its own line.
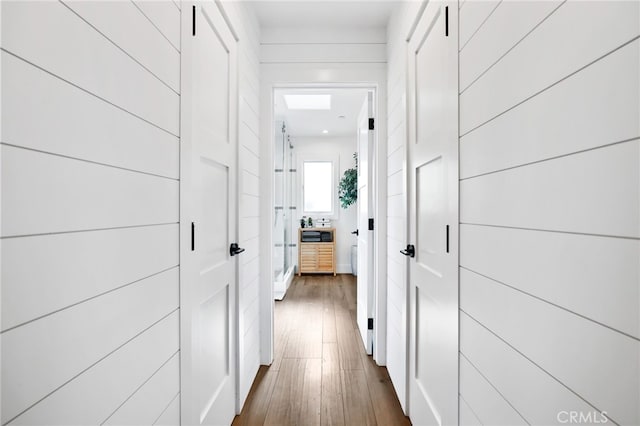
<point x="318" y="134"/>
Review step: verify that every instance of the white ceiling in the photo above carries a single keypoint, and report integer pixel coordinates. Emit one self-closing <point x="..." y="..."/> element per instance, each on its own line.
<point x="317" y="13"/>
<point x="311" y="123"/>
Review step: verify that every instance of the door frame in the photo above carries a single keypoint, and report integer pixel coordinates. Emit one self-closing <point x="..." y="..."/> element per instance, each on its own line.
<point x="283" y="76"/>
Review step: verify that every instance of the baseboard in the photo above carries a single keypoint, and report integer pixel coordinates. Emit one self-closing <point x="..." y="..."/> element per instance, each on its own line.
<point x="343" y="268"/>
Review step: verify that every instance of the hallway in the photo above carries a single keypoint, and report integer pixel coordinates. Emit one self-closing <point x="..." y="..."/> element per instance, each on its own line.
<point x="320" y="373"/>
<point x="148" y="201"/>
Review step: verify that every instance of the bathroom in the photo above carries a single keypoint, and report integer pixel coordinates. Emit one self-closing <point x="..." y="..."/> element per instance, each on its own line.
<point x="315" y="143"/>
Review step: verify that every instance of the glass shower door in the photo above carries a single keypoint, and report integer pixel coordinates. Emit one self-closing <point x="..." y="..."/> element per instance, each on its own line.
<point x="285" y="233"/>
<point x="279" y="267"/>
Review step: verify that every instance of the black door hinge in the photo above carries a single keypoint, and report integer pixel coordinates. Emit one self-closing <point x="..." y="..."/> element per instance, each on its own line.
<point x="372" y="123"/>
<point x="370" y="324"/>
<point x="370" y="224"/>
<point x="193" y="21"/>
<point x="447" y="238"/>
<point x="193" y="236"/>
<point x="446" y="21"/>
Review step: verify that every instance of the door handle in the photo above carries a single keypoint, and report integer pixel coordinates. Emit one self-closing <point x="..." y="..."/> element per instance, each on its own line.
<point x="355" y="232"/>
<point x="409" y="251"/>
<point x="234" y="249"/>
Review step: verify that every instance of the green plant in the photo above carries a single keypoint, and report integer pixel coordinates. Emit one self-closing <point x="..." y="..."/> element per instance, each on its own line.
<point x="348" y="186"/>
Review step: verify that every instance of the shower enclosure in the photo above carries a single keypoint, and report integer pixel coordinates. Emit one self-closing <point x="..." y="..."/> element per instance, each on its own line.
<point x="284" y="204"/>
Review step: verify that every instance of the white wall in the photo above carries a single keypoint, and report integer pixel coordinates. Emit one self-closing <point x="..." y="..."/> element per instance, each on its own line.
<point x="246" y="26"/>
<point x="346" y="220"/>
<point x="90" y="144"/>
<point x="397" y="234"/>
<point x="322" y="45"/>
<point x="549" y="199"/>
<point x="396" y="211"/>
<point x="549" y="196"/>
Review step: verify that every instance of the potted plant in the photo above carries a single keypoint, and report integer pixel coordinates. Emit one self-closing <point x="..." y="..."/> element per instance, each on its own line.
<point x="348" y="185"/>
<point x="348" y="194"/>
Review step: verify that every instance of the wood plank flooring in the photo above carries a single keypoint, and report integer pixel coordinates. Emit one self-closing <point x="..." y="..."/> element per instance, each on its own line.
<point x="321" y="374"/>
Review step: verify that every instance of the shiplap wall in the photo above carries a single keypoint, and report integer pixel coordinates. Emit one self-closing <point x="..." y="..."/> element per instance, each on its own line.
<point x="550" y="209"/>
<point x="246" y="24"/>
<point x="550" y="217"/>
<point x="322" y="46"/>
<point x="89" y="238"/>
<point x="396" y="200"/>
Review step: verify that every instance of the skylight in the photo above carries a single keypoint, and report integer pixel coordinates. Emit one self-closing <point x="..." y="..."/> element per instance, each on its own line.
<point x="316" y="102"/>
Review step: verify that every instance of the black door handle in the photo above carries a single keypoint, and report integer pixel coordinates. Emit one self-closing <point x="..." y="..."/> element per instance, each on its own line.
<point x="409" y="251"/>
<point x="234" y="249"/>
<point x="355" y="232"/>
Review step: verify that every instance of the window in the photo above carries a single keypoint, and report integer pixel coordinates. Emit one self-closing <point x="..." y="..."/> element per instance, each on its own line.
<point x="318" y="187"/>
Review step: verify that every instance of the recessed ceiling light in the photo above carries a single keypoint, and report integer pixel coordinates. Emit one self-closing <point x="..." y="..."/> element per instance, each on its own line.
<point x="325" y="131"/>
<point x="341" y="116"/>
<point x="316" y="102"/>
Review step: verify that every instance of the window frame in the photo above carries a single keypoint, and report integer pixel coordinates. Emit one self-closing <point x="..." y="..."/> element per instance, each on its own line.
<point x="335" y="166"/>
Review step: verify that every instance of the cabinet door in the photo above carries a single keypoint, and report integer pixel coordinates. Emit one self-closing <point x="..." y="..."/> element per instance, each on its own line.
<point x="325" y="258"/>
<point x="308" y="258"/>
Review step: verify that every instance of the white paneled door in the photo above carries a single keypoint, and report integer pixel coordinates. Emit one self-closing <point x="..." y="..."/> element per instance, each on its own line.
<point x="433" y="217"/>
<point x="209" y="275"/>
<point x="365" y="287"/>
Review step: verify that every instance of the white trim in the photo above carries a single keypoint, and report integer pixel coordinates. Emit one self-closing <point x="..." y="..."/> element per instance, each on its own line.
<point x="416" y="20"/>
<point x="343" y="268"/>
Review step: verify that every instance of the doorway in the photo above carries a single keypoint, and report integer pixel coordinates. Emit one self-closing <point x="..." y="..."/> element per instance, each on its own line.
<point x="317" y="135"/>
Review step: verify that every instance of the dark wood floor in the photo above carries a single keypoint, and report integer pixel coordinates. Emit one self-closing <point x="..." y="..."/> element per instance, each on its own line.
<point x="320" y="374"/>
